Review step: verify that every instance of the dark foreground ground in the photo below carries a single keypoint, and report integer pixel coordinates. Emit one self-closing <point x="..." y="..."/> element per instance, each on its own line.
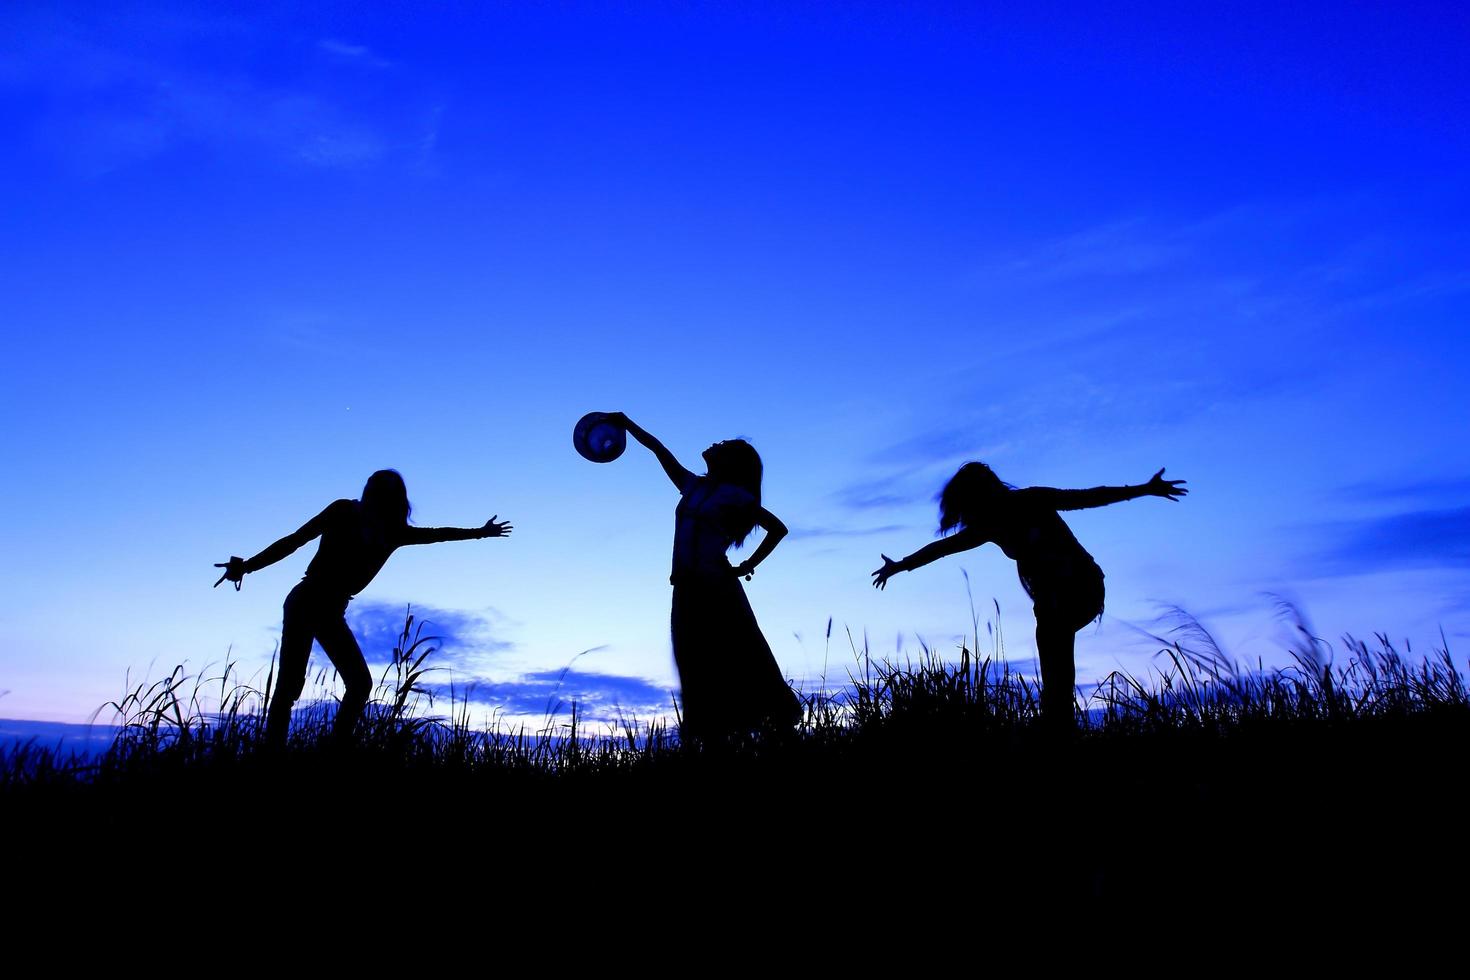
<point x="932" y="791"/>
<point x="1318" y="811"/>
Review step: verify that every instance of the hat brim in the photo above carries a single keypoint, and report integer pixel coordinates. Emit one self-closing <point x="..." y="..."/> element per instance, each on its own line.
<point x="598" y="440"/>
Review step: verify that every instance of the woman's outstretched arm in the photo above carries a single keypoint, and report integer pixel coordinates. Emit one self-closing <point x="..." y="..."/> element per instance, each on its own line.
<point x="962" y="540"/>
<point x="236" y="568"/>
<point x="1054" y="499"/>
<point x="676" y="471"/>
<point x="433" y="535"/>
<point x="775" y="531"/>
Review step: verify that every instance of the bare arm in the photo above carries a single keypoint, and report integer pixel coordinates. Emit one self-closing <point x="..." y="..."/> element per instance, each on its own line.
<point x="675" y="470"/>
<point x="1053" y="499"/>
<point x="287" y="545"/>
<point x="962" y="540"/>
<point x="236" y="569"/>
<point x="775" y="531"/>
<point x="433" y="535"/>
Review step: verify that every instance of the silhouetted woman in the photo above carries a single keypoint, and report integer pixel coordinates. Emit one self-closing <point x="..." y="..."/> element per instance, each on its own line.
<point x="729" y="679"/>
<point x="357" y="538"/>
<point x="1062" y="579"/>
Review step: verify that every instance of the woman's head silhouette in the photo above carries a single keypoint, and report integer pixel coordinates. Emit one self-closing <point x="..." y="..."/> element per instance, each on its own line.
<point x="736" y="462"/>
<point x="968" y="494"/>
<point x="385" y="497"/>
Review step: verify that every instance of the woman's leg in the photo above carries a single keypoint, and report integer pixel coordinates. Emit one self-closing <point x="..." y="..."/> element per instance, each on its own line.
<point x="341" y="648"/>
<point x="1060" y="613"/>
<point x="1055" y="643"/>
<point x="295" y="650"/>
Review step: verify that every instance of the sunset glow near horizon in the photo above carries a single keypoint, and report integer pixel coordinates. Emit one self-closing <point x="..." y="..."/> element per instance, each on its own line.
<point x="251" y="258"/>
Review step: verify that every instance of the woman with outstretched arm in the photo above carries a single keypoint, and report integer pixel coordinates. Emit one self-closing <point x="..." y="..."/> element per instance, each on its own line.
<point x="1061" y="578"/>
<point x="729" y="680"/>
<point x="357" y="536"/>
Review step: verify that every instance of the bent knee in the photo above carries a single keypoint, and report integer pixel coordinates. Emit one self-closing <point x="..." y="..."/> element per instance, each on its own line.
<point x="357" y="686"/>
<point x="288" y="688"/>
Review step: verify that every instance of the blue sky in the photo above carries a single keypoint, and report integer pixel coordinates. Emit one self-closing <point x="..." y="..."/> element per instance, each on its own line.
<point x="251" y="256"/>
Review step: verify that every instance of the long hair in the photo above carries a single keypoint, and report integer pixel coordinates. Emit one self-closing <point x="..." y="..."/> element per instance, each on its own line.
<point x="968" y="494"/>
<point x="385" y="498"/>
<point x="735" y="461"/>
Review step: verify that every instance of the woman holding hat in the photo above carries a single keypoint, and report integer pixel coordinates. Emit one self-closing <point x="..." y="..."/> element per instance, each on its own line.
<point x="729" y="680"/>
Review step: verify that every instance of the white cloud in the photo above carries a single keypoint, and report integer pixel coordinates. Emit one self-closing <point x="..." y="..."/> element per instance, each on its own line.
<point x="359" y="54"/>
<point x="113" y="100"/>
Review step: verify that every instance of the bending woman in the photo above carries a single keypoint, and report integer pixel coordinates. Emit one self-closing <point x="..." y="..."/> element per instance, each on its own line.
<point x="1060" y="577"/>
<point x="729" y="679"/>
<point x="357" y="538"/>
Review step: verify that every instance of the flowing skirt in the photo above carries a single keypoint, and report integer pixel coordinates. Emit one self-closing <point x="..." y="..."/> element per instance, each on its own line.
<point x="730" y="682"/>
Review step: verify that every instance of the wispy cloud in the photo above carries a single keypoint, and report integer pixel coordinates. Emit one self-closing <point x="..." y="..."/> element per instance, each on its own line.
<point x="940" y="443"/>
<point x="1143" y="325"/>
<point x="1060" y="400"/>
<point x="1144" y="247"/>
<point x="1450" y="489"/>
<point x="122" y="95"/>
<point x="1122" y="248"/>
<point x="1430" y="538"/>
<point x="322" y="334"/>
<point x="85" y="740"/>
<point x="798" y="533"/>
<point x="1457" y="608"/>
<point x="358" y="54"/>
<point x="885" y="492"/>
<point x="469" y="643"/>
<point x="546" y="694"/>
<point x="466" y="640"/>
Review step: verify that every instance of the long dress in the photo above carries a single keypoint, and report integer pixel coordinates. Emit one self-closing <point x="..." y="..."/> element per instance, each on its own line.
<point x="730" y="682"/>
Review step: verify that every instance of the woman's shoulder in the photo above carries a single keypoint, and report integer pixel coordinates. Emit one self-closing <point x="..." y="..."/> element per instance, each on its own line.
<point x="342" y="510"/>
<point x="1030" y="499"/>
<point x="1006" y="513"/>
<point x="731" y="495"/>
<point x="707" y="492"/>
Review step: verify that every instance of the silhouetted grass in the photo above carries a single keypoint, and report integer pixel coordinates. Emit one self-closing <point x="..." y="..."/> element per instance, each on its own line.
<point x="935" y="755"/>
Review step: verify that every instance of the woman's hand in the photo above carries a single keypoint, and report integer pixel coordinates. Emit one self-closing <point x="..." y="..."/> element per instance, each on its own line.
<point x="745" y="568"/>
<point x="890" y="568"/>
<point x="1160" y="487"/>
<point x="234" y="571"/>
<point x="617" y="418"/>
<point x="494" y="530"/>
